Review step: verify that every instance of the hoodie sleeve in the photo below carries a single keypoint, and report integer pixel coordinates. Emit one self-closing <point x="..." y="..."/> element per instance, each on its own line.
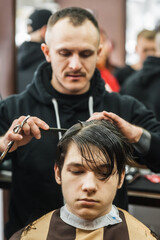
<point x="135" y="112"/>
<point x="143" y="117"/>
<point x="4" y="121"/>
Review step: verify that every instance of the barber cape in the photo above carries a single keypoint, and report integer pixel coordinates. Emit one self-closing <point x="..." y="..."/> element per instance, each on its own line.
<point x="52" y="227"/>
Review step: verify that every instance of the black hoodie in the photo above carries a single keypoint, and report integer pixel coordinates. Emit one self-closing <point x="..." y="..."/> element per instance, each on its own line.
<point x="145" y="85"/>
<point x="29" y="56"/>
<point x="34" y="190"/>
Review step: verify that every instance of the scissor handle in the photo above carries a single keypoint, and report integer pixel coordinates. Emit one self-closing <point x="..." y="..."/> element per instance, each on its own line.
<point x="10" y="144"/>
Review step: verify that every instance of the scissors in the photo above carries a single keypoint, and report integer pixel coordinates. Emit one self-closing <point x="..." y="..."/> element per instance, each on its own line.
<point x="16" y="129"/>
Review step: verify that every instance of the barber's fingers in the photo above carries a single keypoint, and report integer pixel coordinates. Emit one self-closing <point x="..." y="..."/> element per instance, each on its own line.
<point x="130" y="131"/>
<point x="98" y="116"/>
<point x="121" y="123"/>
<point x="10" y="134"/>
<point x="114" y="118"/>
<point x="32" y="127"/>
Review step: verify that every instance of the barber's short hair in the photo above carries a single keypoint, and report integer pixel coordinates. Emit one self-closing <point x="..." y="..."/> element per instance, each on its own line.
<point x="76" y="16"/>
<point x="94" y="139"/>
<point x="147" y="34"/>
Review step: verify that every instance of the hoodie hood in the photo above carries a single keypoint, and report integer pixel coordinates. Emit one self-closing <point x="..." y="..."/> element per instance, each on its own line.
<point x="41" y="84"/>
<point x="28" y="54"/>
<point x="151" y="69"/>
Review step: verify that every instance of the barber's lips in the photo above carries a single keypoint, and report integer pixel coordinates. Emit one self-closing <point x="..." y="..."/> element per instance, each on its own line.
<point x="75" y="76"/>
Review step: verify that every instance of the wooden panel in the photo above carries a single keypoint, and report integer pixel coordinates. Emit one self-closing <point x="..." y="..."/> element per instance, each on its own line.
<point x="7" y="64"/>
<point x="144" y="199"/>
<point x="7" y="47"/>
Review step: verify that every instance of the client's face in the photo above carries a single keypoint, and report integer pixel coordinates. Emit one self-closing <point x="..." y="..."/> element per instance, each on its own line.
<point x="85" y="193"/>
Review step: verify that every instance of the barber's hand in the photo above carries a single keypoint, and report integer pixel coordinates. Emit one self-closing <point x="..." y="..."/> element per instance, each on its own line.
<point x="130" y="131"/>
<point x="29" y="130"/>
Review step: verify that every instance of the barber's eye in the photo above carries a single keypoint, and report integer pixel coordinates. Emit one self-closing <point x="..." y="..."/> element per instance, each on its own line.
<point x="65" y="53"/>
<point x="86" y="54"/>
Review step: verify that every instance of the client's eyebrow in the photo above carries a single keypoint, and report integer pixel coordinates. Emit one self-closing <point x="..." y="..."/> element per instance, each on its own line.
<point x="100" y="167"/>
<point x="73" y="164"/>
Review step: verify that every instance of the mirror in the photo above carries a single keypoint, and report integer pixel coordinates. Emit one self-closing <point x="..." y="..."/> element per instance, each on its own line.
<point x="23" y="9"/>
<point x="140" y="14"/>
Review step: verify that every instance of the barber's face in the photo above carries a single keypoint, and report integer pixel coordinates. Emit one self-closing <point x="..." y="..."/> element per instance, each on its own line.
<point x="72" y="51"/>
<point x="85" y="193"/>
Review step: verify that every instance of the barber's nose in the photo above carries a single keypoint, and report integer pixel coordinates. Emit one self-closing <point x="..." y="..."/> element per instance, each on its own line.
<point x="74" y="62"/>
<point x="89" y="183"/>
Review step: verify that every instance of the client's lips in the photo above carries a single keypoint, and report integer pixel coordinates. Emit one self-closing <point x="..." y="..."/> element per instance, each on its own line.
<point x="87" y="200"/>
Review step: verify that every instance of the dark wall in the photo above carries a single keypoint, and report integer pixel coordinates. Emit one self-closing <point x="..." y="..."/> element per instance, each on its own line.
<point x="7" y="47"/>
<point x="111" y="17"/>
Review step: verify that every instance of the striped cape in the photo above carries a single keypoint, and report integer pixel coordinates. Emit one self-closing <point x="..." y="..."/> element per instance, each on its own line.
<point x="51" y="227"/>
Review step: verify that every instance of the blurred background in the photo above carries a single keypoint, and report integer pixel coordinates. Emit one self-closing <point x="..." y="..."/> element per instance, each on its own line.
<point x="121" y="19"/>
<point x="137" y="15"/>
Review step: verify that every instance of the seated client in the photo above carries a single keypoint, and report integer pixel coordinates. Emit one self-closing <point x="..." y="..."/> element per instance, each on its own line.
<point x="90" y="167"/>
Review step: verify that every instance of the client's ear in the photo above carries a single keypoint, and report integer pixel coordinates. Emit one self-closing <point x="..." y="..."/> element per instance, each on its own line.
<point x="121" y="180"/>
<point x="57" y="174"/>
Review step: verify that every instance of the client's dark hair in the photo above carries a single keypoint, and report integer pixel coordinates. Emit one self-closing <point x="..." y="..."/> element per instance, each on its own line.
<point x="97" y="141"/>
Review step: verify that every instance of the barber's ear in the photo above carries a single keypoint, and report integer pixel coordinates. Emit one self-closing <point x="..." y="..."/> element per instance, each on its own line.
<point x="45" y="50"/>
<point x="99" y="51"/>
<point x="121" y="180"/>
<point x="57" y="174"/>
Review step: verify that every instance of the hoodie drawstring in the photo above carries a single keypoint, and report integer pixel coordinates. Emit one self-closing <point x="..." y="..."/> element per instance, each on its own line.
<point x="55" y="104"/>
<point x="90" y="105"/>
